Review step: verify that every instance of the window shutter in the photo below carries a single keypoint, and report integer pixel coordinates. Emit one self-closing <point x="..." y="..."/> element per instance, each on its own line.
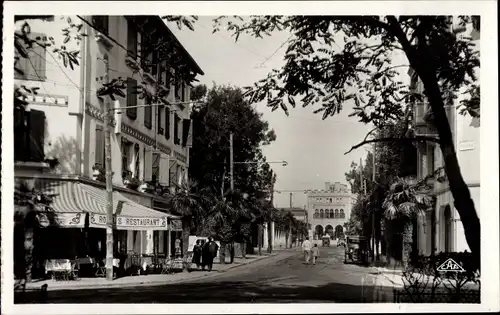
<point x="148" y="116"/>
<point x="186" y="126"/>
<point x="132" y="98"/>
<point x="148" y="164"/>
<point x="167" y="123"/>
<point x="99" y="145"/>
<point x="37" y="134"/>
<point x="176" y="129"/>
<point x="183" y="91"/>
<point x="159" y="126"/>
<point x="34" y="67"/>
<point x="156" y="166"/>
<point x="132" y="40"/>
<point x="164" y="172"/>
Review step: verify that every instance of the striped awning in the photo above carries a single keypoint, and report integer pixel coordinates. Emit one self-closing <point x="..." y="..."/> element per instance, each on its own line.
<point x="65" y="209"/>
<point x="72" y="200"/>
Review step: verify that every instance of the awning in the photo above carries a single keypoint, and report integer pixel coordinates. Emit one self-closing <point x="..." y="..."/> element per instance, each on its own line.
<point x="72" y="200"/>
<point x="129" y="215"/>
<point x="64" y="211"/>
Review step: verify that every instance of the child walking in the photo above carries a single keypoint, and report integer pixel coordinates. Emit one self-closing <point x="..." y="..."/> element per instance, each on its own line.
<point x="315" y="253"/>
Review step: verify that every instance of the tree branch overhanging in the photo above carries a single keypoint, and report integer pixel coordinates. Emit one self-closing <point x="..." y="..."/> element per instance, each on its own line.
<point x="395" y="139"/>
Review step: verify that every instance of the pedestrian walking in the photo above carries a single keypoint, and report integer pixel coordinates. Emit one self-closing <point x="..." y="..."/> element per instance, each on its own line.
<point x="202" y="253"/>
<point x="197" y="254"/>
<point x="209" y="252"/>
<point x="306" y="248"/>
<point x="315" y="253"/>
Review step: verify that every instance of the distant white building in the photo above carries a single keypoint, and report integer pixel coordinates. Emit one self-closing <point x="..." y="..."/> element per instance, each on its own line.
<point x="329" y="209"/>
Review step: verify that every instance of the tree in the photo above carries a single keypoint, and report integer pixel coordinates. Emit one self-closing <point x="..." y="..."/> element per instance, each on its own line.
<point x="188" y="202"/>
<point x="405" y="201"/>
<point x="322" y="72"/>
<point x="225" y="217"/>
<point x="29" y="202"/>
<point x="224" y="111"/>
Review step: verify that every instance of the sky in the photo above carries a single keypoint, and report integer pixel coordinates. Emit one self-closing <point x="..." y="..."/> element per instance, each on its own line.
<point x="313" y="148"/>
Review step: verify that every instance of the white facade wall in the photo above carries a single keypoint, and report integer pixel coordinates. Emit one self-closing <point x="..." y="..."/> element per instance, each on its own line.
<point x="466" y="136"/>
<point x="54" y="80"/>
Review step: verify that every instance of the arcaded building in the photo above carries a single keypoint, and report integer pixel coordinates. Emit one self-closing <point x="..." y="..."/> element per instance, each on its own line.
<point x="329" y="209"/>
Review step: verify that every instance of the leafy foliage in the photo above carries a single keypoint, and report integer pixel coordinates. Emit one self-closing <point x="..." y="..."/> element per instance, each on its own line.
<point x="406" y="199"/>
<point x="334" y="59"/>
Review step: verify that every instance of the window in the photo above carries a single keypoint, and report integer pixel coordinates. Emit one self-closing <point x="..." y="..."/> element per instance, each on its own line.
<point x="132" y="98"/>
<point x="146" y="55"/>
<point x="148" y="116"/>
<point x="342" y="214"/>
<point x="33" y="67"/>
<point x="29" y="136"/>
<point x="167" y="123"/>
<point x="120" y="241"/>
<point x="126" y="146"/>
<point x="101" y="22"/>
<point x="336" y="213"/>
<point x="331" y="214"/>
<point x="176" y="129"/>
<point x="177" y="83"/>
<point x="132" y="39"/>
<point x="159" y="126"/>
<point x="99" y="146"/>
<point x="156" y="167"/>
<point x="322" y="214"/>
<point x="154" y="61"/>
<point x="183" y="92"/>
<point x="316" y="214"/>
<point x="186" y="126"/>
<point x="137" y="161"/>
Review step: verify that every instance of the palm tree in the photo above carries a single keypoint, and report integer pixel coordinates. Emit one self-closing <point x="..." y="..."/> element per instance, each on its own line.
<point x="224" y="214"/>
<point x="188" y="203"/>
<point x="286" y="223"/>
<point x="404" y="202"/>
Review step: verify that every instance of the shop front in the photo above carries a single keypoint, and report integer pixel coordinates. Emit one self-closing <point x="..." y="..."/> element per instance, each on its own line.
<point x="74" y="225"/>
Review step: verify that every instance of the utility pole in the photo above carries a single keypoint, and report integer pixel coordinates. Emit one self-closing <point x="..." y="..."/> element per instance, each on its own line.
<point x="231" y="162"/>
<point x="374" y="244"/>
<point x="270" y="222"/>
<point x="109" y="187"/>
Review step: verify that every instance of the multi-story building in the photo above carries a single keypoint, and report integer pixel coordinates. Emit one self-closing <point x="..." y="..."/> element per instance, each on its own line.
<point x="329" y="209"/>
<point x="440" y="228"/>
<point x="149" y="144"/>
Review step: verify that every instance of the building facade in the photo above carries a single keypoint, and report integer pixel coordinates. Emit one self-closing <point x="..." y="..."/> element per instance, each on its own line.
<point x="329" y="209"/>
<point x="149" y="144"/>
<point x="440" y="228"/>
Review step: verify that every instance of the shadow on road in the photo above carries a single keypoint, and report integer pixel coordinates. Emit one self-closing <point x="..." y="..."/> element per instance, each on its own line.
<point x="219" y="292"/>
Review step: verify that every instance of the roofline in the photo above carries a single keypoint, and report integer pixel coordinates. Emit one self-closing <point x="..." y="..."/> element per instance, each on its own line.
<point x="183" y="49"/>
<point x="170" y="34"/>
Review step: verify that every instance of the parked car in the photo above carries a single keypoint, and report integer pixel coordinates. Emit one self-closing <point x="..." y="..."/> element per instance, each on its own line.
<point x="340" y="242"/>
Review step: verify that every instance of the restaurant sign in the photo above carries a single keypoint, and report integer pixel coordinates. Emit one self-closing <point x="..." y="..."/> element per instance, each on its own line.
<point x="63" y="220"/>
<point x="129" y="223"/>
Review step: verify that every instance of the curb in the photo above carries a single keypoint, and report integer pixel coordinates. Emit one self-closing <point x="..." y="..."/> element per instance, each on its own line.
<point x="148" y="283"/>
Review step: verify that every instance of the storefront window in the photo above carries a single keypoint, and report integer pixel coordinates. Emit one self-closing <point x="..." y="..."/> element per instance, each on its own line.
<point x="120" y="241"/>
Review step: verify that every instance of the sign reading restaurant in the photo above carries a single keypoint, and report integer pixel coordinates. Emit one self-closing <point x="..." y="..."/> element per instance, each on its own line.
<point x="129" y="223"/>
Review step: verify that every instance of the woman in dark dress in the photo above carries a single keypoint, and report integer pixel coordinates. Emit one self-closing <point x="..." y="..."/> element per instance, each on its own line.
<point x="202" y="254"/>
<point x="197" y="254"/>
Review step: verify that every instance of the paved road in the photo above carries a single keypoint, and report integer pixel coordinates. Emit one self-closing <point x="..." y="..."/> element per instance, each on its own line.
<point x="283" y="278"/>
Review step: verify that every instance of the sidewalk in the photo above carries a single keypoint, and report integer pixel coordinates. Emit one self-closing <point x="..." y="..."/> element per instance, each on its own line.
<point x="147" y="280"/>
